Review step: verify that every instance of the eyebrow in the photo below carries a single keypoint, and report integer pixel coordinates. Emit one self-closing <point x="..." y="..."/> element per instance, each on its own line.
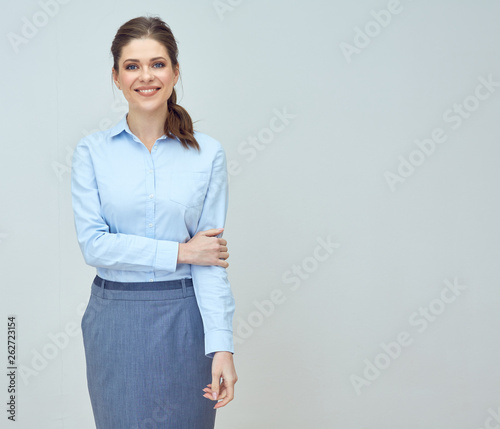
<point x="152" y="59"/>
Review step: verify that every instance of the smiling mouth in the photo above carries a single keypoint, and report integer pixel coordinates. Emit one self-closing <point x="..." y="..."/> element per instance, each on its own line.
<point x="147" y="91"/>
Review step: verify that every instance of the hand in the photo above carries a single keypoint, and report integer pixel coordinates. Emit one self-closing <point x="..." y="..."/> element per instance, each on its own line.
<point x="203" y="249"/>
<point x="222" y="366"/>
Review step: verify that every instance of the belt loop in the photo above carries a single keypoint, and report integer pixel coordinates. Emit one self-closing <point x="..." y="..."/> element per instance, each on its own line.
<point x="184" y="289"/>
<point x="103" y="290"/>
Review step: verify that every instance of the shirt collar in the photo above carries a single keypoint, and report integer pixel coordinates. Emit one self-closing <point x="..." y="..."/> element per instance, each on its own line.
<point x="123" y="126"/>
<point x="120" y="126"/>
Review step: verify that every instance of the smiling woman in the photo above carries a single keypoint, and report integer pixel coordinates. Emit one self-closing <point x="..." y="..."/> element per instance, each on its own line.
<point x="147" y="78"/>
<point x="150" y="197"/>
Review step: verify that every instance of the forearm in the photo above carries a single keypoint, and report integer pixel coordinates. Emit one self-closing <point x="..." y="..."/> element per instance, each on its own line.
<point x="129" y="252"/>
<point x="217" y="305"/>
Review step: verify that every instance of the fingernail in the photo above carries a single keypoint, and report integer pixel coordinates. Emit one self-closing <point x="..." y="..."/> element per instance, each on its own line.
<point x="214" y="395"/>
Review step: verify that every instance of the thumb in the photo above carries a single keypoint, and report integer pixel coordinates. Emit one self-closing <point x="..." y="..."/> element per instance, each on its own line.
<point x="213" y="231"/>
<point x="215" y="386"/>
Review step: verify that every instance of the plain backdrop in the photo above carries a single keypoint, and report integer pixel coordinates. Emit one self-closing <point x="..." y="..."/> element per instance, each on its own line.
<point x="363" y="142"/>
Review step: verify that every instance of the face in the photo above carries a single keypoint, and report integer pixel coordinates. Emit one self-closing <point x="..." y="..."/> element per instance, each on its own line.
<point x="146" y="76"/>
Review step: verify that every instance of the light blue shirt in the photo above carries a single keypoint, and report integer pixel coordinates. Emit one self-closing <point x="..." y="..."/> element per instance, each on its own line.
<point x="132" y="208"/>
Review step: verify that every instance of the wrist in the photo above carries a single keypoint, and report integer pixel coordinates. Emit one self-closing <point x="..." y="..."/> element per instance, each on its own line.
<point x="223" y="354"/>
<point x="183" y="254"/>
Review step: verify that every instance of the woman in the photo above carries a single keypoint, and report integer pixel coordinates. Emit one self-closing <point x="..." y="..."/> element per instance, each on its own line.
<point x="148" y="195"/>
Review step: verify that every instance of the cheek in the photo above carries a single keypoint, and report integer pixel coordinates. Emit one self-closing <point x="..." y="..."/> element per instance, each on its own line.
<point x="127" y="81"/>
<point x="166" y="77"/>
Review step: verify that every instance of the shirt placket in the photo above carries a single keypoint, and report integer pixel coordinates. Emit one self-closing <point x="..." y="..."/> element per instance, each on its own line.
<point x="151" y="195"/>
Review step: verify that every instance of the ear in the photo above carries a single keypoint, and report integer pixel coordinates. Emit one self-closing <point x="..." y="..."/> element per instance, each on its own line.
<point x="177" y="73"/>
<point x="113" y="72"/>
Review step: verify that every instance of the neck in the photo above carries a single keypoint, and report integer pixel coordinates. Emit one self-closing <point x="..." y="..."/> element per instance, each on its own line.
<point x="147" y="126"/>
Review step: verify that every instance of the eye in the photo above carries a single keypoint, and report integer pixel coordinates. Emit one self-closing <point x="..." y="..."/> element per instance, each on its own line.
<point x="158" y="65"/>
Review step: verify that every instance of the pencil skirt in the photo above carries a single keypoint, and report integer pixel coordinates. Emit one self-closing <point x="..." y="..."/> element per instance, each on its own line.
<point x="145" y="359"/>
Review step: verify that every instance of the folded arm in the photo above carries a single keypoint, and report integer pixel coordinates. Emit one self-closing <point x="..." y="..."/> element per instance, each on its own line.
<point x="101" y="248"/>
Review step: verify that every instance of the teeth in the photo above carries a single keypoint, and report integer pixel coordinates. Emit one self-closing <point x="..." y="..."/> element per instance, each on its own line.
<point x="147" y="90"/>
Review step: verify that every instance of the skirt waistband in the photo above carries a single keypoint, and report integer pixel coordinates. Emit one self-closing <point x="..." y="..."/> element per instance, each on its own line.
<point x="143" y="286"/>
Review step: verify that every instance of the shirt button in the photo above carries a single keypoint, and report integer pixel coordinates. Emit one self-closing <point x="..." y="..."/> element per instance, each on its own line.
<point x="150" y="170"/>
<point x="150" y="225"/>
<point x="150" y="280"/>
<point x="151" y="196"/>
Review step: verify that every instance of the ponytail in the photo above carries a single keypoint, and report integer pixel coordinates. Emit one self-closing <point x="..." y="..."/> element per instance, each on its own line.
<point x="179" y="124"/>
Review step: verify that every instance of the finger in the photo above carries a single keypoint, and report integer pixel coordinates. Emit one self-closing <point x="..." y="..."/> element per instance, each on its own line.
<point x="229" y="396"/>
<point x="222" y="391"/>
<point x="222" y="394"/>
<point x="212" y="232"/>
<point x="222" y="403"/>
<point x="222" y="263"/>
<point x="207" y="392"/>
<point x="215" y="385"/>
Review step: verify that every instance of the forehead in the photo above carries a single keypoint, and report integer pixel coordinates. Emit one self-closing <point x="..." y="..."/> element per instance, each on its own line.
<point x="143" y="50"/>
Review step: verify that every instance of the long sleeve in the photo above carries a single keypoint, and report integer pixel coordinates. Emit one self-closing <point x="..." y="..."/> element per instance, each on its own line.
<point x="212" y="288"/>
<point x="101" y="248"/>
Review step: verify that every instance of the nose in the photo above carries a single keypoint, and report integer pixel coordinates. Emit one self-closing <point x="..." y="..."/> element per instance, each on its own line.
<point x="146" y="74"/>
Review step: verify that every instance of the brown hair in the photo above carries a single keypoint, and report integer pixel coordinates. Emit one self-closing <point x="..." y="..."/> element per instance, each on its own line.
<point x="178" y="123"/>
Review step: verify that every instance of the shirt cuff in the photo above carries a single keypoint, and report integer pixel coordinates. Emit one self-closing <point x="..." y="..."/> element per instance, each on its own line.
<point x="218" y="341"/>
<point x="167" y="253"/>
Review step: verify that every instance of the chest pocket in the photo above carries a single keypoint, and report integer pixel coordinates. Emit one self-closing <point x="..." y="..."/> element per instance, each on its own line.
<point x="188" y="188"/>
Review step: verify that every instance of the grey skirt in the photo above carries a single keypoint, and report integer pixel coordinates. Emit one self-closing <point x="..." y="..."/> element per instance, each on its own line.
<point x="145" y="359"/>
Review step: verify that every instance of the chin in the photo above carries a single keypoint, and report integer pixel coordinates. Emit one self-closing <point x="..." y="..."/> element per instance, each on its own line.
<point x="149" y="107"/>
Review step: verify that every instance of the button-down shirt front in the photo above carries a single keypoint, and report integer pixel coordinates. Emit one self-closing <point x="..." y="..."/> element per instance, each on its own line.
<point x="133" y="207"/>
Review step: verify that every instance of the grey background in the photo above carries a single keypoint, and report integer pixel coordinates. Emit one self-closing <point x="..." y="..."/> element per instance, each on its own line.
<point x="320" y="177"/>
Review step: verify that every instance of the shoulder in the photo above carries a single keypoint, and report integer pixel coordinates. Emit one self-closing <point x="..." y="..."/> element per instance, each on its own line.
<point x="212" y="151"/>
<point x="100" y="137"/>
<point x="207" y="142"/>
<point x="95" y="138"/>
<point x="93" y="146"/>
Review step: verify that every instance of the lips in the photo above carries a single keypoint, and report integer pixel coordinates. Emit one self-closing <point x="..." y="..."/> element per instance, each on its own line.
<point x="149" y="90"/>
